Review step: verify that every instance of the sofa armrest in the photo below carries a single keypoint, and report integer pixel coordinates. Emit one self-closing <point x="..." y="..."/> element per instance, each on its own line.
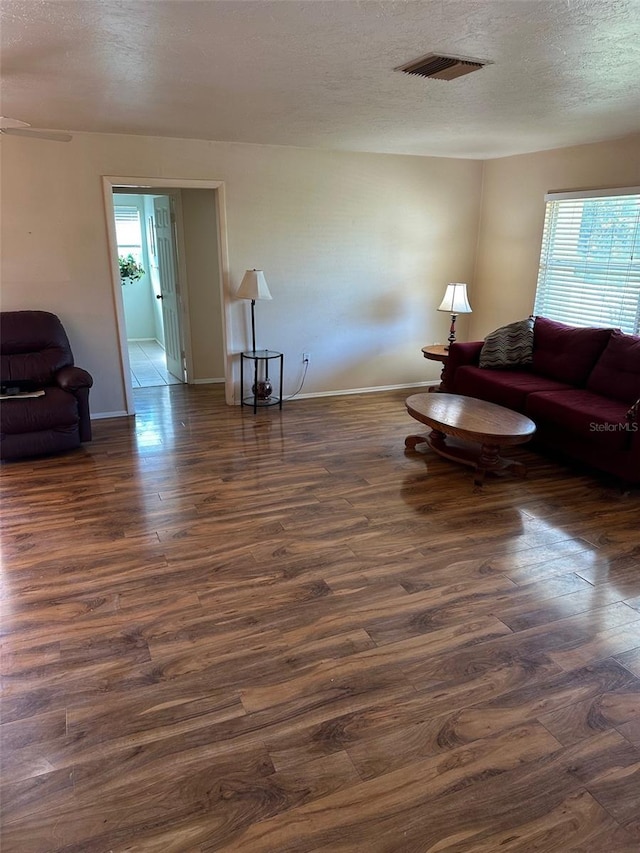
<point x="460" y="354"/>
<point x="72" y="379"/>
<point x="77" y="381"/>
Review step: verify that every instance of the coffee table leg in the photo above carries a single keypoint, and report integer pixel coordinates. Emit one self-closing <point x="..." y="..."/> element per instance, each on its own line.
<point x="438" y="440"/>
<point x="411" y="442"/>
<point x="435" y="439"/>
<point x="487" y="460"/>
<point x="490" y="460"/>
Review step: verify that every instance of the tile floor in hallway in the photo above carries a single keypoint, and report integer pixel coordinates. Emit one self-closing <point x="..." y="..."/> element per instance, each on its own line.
<point x="148" y="365"/>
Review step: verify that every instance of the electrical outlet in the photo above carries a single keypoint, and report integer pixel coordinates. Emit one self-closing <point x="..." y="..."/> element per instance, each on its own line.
<point x="306" y="357"/>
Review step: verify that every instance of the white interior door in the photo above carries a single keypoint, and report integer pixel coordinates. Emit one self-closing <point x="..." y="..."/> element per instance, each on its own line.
<point x="168" y="285"/>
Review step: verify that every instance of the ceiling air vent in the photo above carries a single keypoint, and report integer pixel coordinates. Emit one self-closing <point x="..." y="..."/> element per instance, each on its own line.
<point x="442" y="67"/>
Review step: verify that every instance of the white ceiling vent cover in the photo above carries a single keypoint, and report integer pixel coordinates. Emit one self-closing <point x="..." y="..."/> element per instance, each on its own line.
<point x="442" y="67"/>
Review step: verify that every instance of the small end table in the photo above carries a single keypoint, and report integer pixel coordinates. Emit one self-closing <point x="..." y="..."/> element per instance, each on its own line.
<point x="437" y="352"/>
<point x="262" y="389"/>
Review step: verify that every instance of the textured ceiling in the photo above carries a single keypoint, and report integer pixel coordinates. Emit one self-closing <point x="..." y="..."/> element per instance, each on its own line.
<point x="319" y="73"/>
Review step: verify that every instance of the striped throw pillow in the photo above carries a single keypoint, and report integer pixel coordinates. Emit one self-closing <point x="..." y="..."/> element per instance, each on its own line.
<point x="509" y="346"/>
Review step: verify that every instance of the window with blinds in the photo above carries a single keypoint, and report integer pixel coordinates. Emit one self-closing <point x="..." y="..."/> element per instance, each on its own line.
<point x="128" y="231"/>
<point x="590" y="260"/>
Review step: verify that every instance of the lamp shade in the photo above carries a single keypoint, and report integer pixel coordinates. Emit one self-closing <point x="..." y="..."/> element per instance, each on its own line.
<point x="253" y="286"/>
<point x="455" y="299"/>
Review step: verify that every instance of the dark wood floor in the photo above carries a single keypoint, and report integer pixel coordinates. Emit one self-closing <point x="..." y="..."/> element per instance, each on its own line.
<point x="281" y="633"/>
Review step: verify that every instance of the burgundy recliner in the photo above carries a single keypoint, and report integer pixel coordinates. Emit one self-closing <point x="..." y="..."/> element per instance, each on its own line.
<point x="35" y="355"/>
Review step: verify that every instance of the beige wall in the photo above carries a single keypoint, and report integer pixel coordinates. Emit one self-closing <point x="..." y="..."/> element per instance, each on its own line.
<point x="356" y="249"/>
<point x="513" y="216"/>
<point x="200" y="222"/>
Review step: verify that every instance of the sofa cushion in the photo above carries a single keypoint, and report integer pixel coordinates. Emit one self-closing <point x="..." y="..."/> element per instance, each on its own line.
<point x="565" y="353"/>
<point x="55" y="409"/>
<point x="33" y="346"/>
<point x="584" y="414"/>
<point x="26" y="444"/>
<point x="617" y="371"/>
<point x="508" y="346"/>
<point x="505" y="387"/>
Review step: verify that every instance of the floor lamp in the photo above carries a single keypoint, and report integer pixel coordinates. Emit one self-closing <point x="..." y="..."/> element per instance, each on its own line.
<point x="254" y="286"/>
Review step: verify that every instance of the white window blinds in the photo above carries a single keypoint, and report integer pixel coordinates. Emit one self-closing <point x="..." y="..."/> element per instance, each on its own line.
<point x="128" y="229"/>
<point x="590" y="260"/>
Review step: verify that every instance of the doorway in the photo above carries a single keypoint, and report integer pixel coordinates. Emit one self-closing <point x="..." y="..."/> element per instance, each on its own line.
<point x="147" y="247"/>
<point x="196" y="223"/>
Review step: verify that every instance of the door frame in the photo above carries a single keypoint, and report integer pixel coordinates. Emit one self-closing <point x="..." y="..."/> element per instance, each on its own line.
<point x="180" y="271"/>
<point x="139" y="185"/>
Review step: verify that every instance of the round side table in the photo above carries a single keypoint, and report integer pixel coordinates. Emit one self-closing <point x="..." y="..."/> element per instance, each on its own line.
<point x="262" y="387"/>
<point x="437" y="352"/>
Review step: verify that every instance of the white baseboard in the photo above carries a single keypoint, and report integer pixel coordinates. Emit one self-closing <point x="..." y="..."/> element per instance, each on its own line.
<point x="348" y="391"/>
<point x="214" y="381"/>
<point x="99" y="416"/>
<point x="368" y="390"/>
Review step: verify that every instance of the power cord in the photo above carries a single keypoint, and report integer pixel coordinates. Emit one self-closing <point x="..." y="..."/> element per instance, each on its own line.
<point x="304" y="376"/>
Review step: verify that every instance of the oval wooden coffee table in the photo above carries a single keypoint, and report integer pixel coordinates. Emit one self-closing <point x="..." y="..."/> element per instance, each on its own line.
<point x="455" y="420"/>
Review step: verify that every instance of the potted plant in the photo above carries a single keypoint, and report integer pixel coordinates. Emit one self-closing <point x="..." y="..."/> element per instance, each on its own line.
<point x="130" y="269"/>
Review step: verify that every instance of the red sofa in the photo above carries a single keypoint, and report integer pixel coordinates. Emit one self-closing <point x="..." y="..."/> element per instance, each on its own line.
<point x="582" y="391"/>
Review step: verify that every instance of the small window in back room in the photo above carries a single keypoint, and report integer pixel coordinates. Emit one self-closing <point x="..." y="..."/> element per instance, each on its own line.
<point x="128" y="231"/>
<point x="590" y="260"/>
